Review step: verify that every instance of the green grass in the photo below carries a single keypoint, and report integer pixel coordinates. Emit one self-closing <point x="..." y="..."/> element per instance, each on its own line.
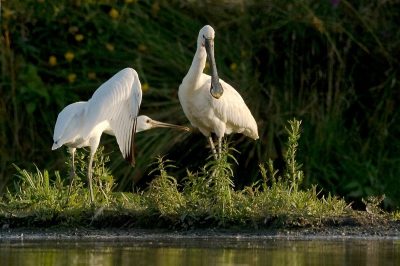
<point x="204" y="198"/>
<point x="335" y="69"/>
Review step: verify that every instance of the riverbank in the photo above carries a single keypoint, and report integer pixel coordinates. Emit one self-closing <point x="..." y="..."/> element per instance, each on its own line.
<point x="386" y="230"/>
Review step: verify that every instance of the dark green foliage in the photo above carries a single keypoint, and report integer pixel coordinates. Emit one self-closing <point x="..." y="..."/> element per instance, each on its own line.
<point x="336" y="69"/>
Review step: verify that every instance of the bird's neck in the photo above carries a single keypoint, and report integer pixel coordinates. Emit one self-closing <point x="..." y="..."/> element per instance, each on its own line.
<point x="140" y="128"/>
<point x="197" y="67"/>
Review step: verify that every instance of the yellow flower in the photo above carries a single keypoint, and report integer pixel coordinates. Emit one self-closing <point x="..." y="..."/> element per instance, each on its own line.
<point x="69" y="56"/>
<point x="110" y="47"/>
<point x="145" y="87"/>
<point x="318" y="24"/>
<point x="233" y="66"/>
<point x="113" y="13"/>
<point x="7" y="13"/>
<point x="130" y="1"/>
<point x="91" y="75"/>
<point x="155" y="8"/>
<point x="52" y="60"/>
<point x="79" y="37"/>
<point x="71" y="77"/>
<point x="142" y="48"/>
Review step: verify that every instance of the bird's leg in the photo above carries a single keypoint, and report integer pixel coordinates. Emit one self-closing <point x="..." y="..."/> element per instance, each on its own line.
<point x="213" y="151"/>
<point x="72" y="172"/>
<point x="220" y="147"/>
<point x="93" y="143"/>
<point x="213" y="147"/>
<point x="89" y="175"/>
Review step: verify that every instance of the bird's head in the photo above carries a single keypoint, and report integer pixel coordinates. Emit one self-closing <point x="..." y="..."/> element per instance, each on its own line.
<point x="207" y="32"/>
<point x="146" y="123"/>
<point x="206" y="40"/>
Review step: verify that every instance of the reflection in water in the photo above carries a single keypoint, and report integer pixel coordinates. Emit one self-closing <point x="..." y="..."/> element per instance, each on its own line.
<point x="194" y="252"/>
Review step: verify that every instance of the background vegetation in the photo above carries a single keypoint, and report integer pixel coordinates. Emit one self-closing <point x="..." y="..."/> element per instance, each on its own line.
<point x="332" y="64"/>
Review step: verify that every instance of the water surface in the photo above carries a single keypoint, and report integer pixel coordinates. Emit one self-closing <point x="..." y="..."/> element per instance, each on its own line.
<point x="193" y="252"/>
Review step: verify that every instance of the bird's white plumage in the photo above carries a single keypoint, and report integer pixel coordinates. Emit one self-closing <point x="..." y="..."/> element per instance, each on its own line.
<point x="116" y="101"/>
<point x="226" y="115"/>
<point x="114" y="105"/>
<point x="113" y="109"/>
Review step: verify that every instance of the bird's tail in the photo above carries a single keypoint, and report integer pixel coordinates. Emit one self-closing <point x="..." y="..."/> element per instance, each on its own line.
<point x="55" y="146"/>
<point x="252" y="133"/>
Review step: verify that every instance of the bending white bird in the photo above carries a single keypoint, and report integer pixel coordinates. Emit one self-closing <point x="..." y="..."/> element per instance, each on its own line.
<point x="113" y="109"/>
<point x="210" y="103"/>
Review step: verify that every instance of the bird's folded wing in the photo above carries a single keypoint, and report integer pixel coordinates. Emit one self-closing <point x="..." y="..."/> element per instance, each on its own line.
<point x="124" y="127"/>
<point x="118" y="101"/>
<point x="232" y="109"/>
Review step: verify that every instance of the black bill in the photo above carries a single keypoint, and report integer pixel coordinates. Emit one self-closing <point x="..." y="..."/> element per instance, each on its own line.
<point x="216" y="89"/>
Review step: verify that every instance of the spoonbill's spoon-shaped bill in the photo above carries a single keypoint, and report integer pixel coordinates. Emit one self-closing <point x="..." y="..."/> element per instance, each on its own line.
<point x="216" y="89"/>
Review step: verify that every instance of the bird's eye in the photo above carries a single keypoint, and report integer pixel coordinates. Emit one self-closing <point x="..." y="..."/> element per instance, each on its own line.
<point x="148" y="121"/>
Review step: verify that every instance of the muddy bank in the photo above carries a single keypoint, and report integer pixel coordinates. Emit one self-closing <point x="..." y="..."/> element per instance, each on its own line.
<point x="387" y="230"/>
<point x="333" y="227"/>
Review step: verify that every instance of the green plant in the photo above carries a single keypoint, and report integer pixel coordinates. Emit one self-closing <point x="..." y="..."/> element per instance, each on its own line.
<point x="103" y="181"/>
<point x="372" y="205"/>
<point x="163" y="195"/>
<point x="293" y="173"/>
<point x="335" y="68"/>
<point x="206" y="198"/>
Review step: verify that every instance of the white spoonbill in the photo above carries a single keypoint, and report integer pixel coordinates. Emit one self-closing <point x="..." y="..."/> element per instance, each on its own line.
<point x="210" y="103"/>
<point x="113" y="109"/>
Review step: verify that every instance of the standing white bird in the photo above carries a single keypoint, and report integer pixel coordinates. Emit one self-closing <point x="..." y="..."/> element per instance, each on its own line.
<point x="210" y="103"/>
<point x="113" y="109"/>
